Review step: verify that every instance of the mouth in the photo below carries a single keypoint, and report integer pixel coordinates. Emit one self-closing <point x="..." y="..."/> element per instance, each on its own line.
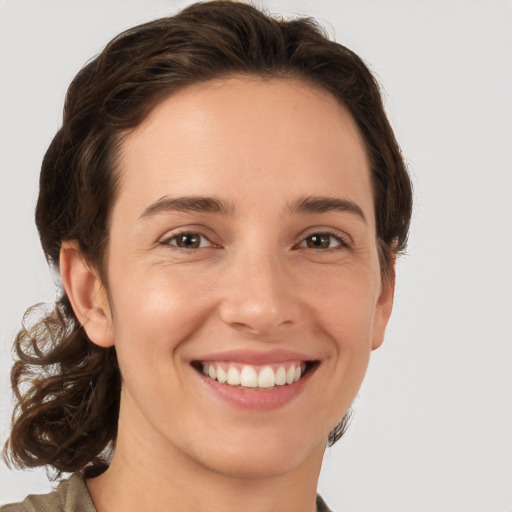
<point x="255" y="377"/>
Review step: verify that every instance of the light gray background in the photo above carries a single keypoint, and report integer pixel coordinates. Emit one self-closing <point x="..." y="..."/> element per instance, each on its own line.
<point x="433" y="424"/>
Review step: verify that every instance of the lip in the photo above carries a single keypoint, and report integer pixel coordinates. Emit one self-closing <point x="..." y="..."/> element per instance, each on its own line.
<point x="254" y="357"/>
<point x="257" y="399"/>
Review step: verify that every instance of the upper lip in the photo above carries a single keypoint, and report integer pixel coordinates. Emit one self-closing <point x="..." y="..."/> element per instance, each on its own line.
<point x="254" y="357"/>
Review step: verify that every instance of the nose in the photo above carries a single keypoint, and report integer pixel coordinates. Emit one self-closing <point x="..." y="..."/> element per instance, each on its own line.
<point x="259" y="296"/>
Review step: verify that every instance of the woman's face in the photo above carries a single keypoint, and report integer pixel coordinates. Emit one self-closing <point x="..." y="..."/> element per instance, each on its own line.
<point x="243" y="245"/>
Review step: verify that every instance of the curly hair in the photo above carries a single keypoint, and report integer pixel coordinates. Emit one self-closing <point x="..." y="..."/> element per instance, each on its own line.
<point x="67" y="388"/>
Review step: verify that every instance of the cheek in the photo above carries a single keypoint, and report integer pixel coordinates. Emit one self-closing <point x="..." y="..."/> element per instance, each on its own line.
<point x="154" y="316"/>
<point x="345" y="307"/>
<point x="154" y="313"/>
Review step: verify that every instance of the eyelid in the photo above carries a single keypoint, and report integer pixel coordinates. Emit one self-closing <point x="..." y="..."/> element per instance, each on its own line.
<point x="172" y="235"/>
<point x="345" y="240"/>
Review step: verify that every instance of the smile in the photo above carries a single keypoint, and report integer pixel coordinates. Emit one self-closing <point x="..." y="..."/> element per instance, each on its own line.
<point x="267" y="376"/>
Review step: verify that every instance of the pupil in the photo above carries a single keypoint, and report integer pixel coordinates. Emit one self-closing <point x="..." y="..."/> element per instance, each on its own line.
<point x="318" y="241"/>
<point x="189" y="240"/>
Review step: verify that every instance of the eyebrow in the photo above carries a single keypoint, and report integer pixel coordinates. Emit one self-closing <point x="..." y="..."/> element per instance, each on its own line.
<point x="318" y="204"/>
<point x="188" y="204"/>
<point x="310" y="204"/>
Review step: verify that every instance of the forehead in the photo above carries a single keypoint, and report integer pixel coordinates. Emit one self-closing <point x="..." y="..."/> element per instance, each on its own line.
<point x="245" y="134"/>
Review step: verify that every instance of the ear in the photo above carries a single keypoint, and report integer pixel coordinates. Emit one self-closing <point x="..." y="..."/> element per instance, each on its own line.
<point x="86" y="294"/>
<point x="384" y="307"/>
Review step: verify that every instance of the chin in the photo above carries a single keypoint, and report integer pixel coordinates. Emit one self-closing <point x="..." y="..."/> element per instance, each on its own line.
<point x="266" y="455"/>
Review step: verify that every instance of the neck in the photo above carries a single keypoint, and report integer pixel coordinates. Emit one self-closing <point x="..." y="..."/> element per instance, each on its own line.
<point x="158" y="476"/>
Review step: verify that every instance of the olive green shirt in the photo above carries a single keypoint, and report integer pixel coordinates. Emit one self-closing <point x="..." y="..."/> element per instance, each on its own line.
<point x="72" y="496"/>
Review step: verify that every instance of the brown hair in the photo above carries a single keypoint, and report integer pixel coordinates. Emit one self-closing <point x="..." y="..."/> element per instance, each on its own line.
<point x="68" y="389"/>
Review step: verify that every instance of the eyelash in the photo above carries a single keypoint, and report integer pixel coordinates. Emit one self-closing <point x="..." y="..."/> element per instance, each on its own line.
<point x="343" y="242"/>
<point x="176" y="236"/>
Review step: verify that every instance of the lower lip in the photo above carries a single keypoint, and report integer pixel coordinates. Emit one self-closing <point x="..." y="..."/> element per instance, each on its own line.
<point x="258" y="399"/>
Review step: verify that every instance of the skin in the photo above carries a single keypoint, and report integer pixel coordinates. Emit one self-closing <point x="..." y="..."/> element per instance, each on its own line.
<point x="255" y="283"/>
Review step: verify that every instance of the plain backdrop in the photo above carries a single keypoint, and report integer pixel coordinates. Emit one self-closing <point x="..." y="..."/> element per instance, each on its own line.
<point x="432" y="429"/>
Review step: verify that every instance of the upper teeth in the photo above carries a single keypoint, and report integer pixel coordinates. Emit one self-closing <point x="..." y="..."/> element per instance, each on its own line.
<point x="254" y="377"/>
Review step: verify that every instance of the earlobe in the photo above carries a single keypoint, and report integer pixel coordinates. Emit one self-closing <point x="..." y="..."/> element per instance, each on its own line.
<point x="86" y="295"/>
<point x="384" y="307"/>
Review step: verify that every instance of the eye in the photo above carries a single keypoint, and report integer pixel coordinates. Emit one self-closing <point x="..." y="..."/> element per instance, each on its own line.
<point x="319" y="241"/>
<point x="188" y="240"/>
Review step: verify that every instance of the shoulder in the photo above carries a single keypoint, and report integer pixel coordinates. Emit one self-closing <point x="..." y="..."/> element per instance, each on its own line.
<point x="70" y="496"/>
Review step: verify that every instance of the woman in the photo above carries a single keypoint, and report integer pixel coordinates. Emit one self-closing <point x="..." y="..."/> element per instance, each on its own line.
<point x="224" y="202"/>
